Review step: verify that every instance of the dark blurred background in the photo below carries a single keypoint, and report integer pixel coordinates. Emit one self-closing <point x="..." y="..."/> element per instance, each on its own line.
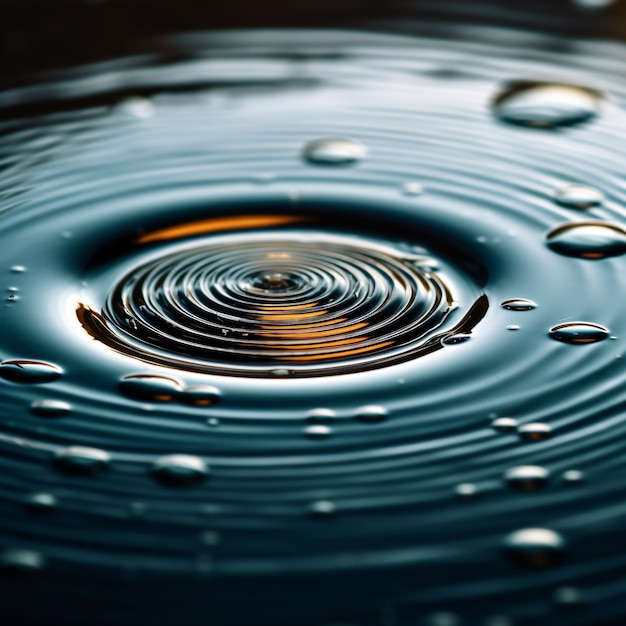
<point x="36" y="35"/>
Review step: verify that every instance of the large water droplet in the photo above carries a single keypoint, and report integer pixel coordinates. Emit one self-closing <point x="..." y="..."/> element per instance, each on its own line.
<point x="534" y="431"/>
<point x="546" y="105"/>
<point x="200" y="395"/>
<point x="527" y="477"/>
<point x="579" y="332"/>
<point x="29" y="372"/>
<point x="578" y="196"/>
<point x="50" y="408"/>
<point x="180" y="470"/>
<point x="149" y="388"/>
<point x="334" y="151"/>
<point x="518" y="304"/>
<point x="535" y="548"/>
<point x="587" y="240"/>
<point x="82" y="461"/>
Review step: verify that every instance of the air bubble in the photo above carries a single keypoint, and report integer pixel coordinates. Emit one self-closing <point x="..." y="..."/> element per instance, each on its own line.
<point x="334" y="151"/>
<point x="518" y="304"/>
<point x="579" y="332"/>
<point x="200" y="395"/>
<point x="534" y="431"/>
<point x="50" y="408"/>
<point x="546" y="105"/>
<point x="82" y="461"/>
<point x="180" y="470"/>
<point x="535" y="548"/>
<point x="149" y="388"/>
<point x="527" y="477"/>
<point x="29" y="372"/>
<point x="578" y="197"/>
<point x="587" y="240"/>
<point x="371" y="414"/>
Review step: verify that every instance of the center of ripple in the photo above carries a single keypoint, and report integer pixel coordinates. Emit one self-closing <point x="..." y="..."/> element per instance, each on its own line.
<point x="306" y="302"/>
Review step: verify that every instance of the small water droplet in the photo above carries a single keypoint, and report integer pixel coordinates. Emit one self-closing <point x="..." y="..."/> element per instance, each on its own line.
<point x="50" y="408"/>
<point x="13" y="297"/>
<point x="442" y="619"/>
<point x="452" y="340"/>
<point x="568" y="597"/>
<point x="180" y="470"/>
<point x="40" y="502"/>
<point x="137" y="509"/>
<point x="371" y="414"/>
<point x="535" y="431"/>
<point x="466" y="491"/>
<point x="518" y="304"/>
<point x="213" y="422"/>
<point x="546" y="105"/>
<point x="136" y="106"/>
<point x="579" y="332"/>
<point x="81" y="461"/>
<point x="149" y="388"/>
<point x="573" y="477"/>
<point x="513" y="327"/>
<point x="280" y="372"/>
<point x="527" y="477"/>
<point x="322" y="508"/>
<point x="264" y="178"/>
<point x="412" y="189"/>
<point x="17" y="269"/>
<point x="210" y="538"/>
<point x="29" y="372"/>
<point x="17" y="561"/>
<point x="576" y="196"/>
<point x="535" y="548"/>
<point x="587" y="240"/>
<point x="504" y="424"/>
<point x="321" y="416"/>
<point x="200" y="395"/>
<point x="334" y="151"/>
<point x="317" y="431"/>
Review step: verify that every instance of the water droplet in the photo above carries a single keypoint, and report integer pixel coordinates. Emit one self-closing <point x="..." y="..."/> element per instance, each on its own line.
<point x="568" y="597"/>
<point x="280" y="372"/>
<point x="593" y="5"/>
<point x="334" y="151"/>
<point x="412" y="189"/>
<point x="149" y="388"/>
<point x="504" y="424"/>
<point x="573" y="477"/>
<point x="579" y="332"/>
<point x="371" y="414"/>
<point x="527" y="477"/>
<point x="82" y="461"/>
<point x="210" y="538"/>
<point x="518" y="304"/>
<point x="40" y="502"/>
<point x="535" y="431"/>
<point x="587" y="240"/>
<point x="138" y="509"/>
<point x="50" y="408"/>
<point x="18" y="561"/>
<point x="452" y="340"/>
<point x="13" y="297"/>
<point x="322" y="508"/>
<point x="321" y="416"/>
<point x="466" y="491"/>
<point x="29" y="372"/>
<point x="17" y="269"/>
<point x="442" y="619"/>
<point x="576" y="196"/>
<point x="317" y="431"/>
<point x="535" y="548"/>
<point x="546" y="105"/>
<point x="213" y="422"/>
<point x="180" y="470"/>
<point x="200" y="395"/>
<point x="136" y="106"/>
<point x="513" y="327"/>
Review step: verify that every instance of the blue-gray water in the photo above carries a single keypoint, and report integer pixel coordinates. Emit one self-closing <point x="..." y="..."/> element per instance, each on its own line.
<point x="312" y="328"/>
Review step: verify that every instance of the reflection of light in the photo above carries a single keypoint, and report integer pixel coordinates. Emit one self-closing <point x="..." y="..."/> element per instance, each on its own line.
<point x="218" y="224"/>
<point x="336" y="355"/>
